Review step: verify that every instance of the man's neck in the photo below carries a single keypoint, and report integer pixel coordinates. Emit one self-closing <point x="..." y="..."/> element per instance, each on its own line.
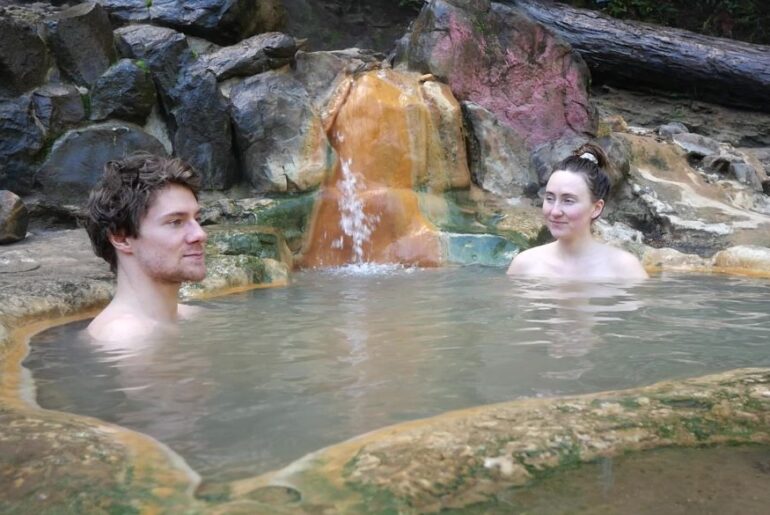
<point x="146" y="297"/>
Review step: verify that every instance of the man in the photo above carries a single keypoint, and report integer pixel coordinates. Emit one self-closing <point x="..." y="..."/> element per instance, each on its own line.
<point x="144" y="221"/>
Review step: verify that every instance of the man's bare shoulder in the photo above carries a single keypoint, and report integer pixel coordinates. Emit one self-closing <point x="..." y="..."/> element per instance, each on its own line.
<point x="111" y="326"/>
<point x="528" y="261"/>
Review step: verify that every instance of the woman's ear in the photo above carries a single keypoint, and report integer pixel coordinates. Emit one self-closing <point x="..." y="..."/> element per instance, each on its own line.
<point x="598" y="208"/>
<point x="121" y="242"/>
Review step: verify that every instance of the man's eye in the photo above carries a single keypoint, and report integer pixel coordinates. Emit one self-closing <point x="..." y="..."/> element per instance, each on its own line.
<point x="175" y="222"/>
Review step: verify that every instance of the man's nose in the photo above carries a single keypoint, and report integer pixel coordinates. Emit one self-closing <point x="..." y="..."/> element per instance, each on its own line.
<point x="197" y="233"/>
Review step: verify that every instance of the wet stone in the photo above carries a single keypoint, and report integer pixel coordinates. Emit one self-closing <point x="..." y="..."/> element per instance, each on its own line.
<point x="14" y="218"/>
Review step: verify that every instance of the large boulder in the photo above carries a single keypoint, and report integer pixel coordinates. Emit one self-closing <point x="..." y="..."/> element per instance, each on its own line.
<point x="21" y="139"/>
<point x="495" y="56"/>
<point x="221" y="21"/>
<point x="678" y="206"/>
<point x="164" y="51"/>
<point x="81" y="40"/>
<point x="321" y="72"/>
<point x="24" y="58"/>
<point x="77" y="159"/>
<point x="281" y="140"/>
<point x="125" y="91"/>
<point x="335" y="24"/>
<point x="251" y="56"/>
<point x="195" y="109"/>
<point x="198" y="113"/>
<point x="58" y="107"/>
<point x="499" y="160"/>
<point x="14" y="218"/>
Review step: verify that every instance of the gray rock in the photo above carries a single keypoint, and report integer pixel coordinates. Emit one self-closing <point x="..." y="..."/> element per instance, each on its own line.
<point x="499" y="159"/>
<point x="619" y="154"/>
<point x="125" y="91"/>
<point x="77" y="159"/>
<point x="221" y="21"/>
<point x="280" y="137"/>
<point x="21" y="139"/>
<point x="716" y="163"/>
<point x="333" y="24"/>
<point x="196" y="111"/>
<point x="251" y="56"/>
<point x="202" y="134"/>
<point x="81" y="40"/>
<point x="696" y="145"/>
<point x="14" y="218"/>
<point x="545" y="157"/>
<point x="320" y="72"/>
<point x="24" y="58"/>
<point x="58" y="107"/>
<point x="746" y="174"/>
<point x="735" y="167"/>
<point x="164" y="51"/>
<point x="668" y="130"/>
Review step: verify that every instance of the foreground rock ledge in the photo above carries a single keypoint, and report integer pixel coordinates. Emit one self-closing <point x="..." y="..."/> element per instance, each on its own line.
<point x="466" y="457"/>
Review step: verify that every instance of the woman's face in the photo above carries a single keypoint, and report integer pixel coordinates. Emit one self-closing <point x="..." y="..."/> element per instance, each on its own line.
<point x="567" y="207"/>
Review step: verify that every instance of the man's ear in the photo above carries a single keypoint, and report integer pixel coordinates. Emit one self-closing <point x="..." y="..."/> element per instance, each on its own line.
<point x="598" y="208"/>
<point x="121" y="242"/>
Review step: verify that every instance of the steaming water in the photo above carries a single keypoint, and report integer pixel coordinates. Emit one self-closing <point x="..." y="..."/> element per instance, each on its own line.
<point x="262" y="378"/>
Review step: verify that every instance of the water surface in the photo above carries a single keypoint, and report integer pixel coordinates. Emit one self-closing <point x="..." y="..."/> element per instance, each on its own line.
<point x="264" y="377"/>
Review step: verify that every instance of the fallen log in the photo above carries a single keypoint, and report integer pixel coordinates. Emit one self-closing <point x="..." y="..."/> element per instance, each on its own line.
<point x="642" y="56"/>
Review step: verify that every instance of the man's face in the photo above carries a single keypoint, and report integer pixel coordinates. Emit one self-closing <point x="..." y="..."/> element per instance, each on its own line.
<point x="170" y="245"/>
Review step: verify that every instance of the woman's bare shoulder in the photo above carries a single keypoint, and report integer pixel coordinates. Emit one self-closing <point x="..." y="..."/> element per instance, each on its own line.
<point x="625" y="264"/>
<point x="527" y="261"/>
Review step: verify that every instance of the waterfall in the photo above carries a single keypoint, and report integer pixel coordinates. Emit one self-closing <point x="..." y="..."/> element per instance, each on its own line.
<point x="353" y="220"/>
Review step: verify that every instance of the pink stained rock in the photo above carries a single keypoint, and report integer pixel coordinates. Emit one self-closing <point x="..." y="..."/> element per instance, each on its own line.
<point x="495" y="56"/>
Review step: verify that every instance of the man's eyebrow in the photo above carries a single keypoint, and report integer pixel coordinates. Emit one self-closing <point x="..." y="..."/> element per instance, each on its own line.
<point x="173" y="214"/>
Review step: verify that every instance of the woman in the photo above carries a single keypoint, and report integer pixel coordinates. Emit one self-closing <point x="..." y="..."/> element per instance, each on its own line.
<point x="574" y="198"/>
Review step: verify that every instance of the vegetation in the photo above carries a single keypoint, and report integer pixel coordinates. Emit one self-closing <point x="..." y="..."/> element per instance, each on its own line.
<point x="745" y="20"/>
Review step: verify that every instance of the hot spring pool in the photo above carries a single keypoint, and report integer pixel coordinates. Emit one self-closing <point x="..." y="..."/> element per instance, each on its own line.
<point x="262" y="378"/>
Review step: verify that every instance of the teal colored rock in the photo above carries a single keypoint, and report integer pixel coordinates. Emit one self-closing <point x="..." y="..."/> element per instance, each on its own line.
<point x="289" y="215"/>
<point x="478" y="249"/>
<point x="256" y="243"/>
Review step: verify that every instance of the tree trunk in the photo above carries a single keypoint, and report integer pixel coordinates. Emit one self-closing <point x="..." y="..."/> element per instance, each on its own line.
<point x="635" y="55"/>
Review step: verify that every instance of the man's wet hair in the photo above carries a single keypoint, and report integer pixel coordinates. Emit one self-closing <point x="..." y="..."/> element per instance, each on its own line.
<point x="124" y="194"/>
